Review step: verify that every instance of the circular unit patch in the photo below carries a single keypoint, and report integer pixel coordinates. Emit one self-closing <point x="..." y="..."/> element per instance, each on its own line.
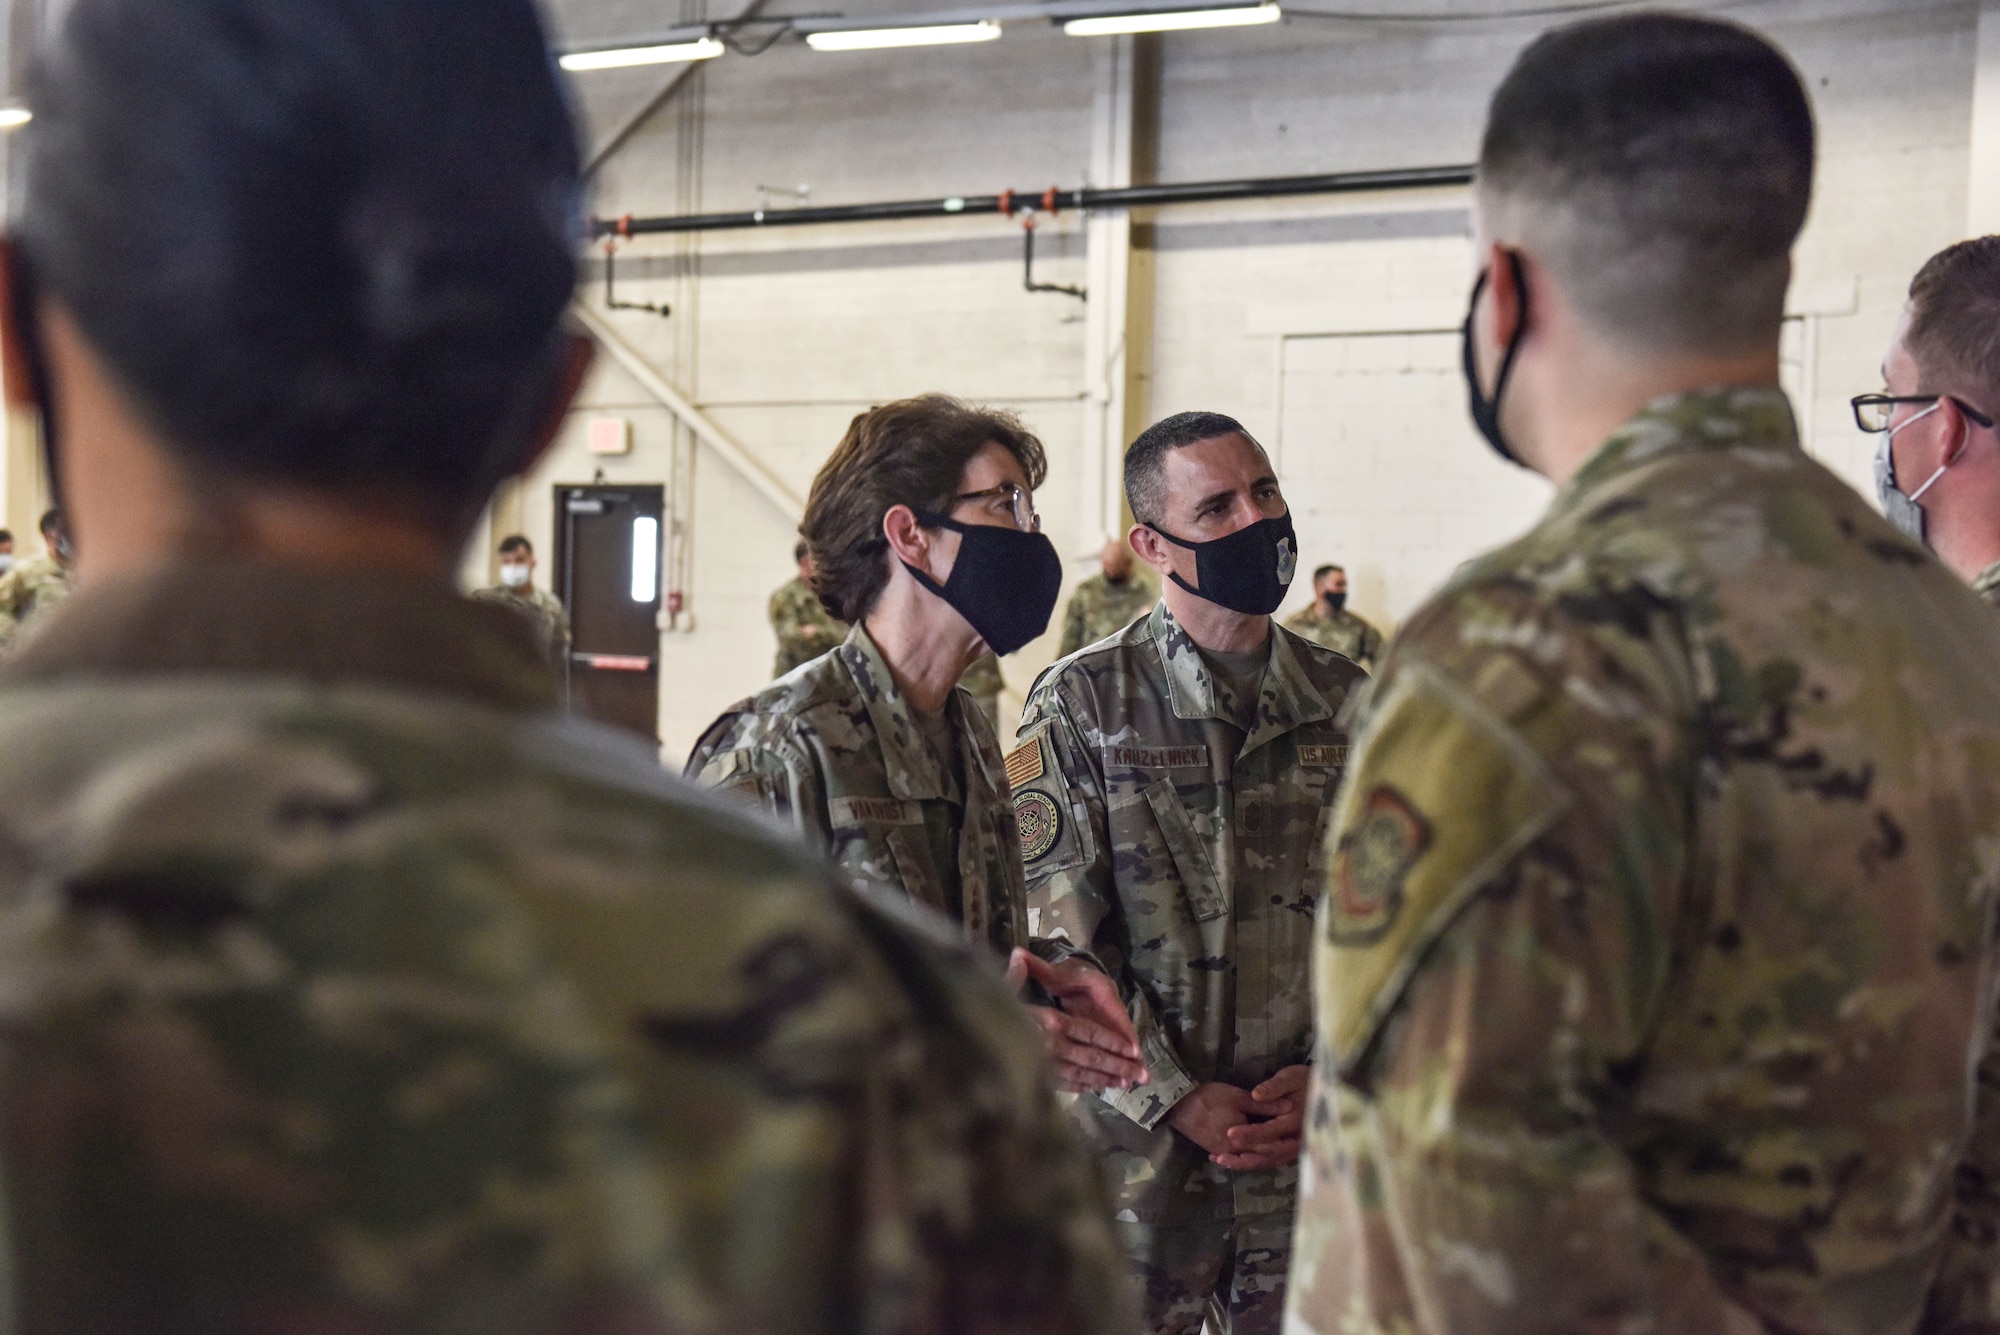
<point x="1040" y="820"/>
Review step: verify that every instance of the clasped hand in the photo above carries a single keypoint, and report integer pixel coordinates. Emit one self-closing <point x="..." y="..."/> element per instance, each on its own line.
<point x="1246" y="1128"/>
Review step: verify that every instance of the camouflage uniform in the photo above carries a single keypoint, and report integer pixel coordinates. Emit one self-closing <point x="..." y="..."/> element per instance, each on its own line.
<point x="1343" y="632"/>
<point x="804" y="627"/>
<point x="1987" y="583"/>
<point x="351" y="989"/>
<point x="28" y="591"/>
<point x="984" y="683"/>
<point x="1099" y="608"/>
<point x="1184" y="856"/>
<point x="1657" y="943"/>
<point x="545" y="612"/>
<point x="835" y="751"/>
<point x="1965" y="1298"/>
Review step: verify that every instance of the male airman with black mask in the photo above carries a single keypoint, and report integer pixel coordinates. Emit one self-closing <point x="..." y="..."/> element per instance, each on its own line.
<point x="1170" y="788"/>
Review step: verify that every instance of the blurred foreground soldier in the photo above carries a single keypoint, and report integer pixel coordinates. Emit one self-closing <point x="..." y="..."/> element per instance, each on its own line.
<point x="37" y="585"/>
<point x="1657" y="939"/>
<point x="516" y="590"/>
<point x="1937" y="463"/>
<point x="925" y="539"/>
<point x="1172" y="785"/>
<point x="805" y="629"/>
<point x="1108" y="601"/>
<point x="349" y="987"/>
<point x="1328" y="623"/>
<point x="983" y="682"/>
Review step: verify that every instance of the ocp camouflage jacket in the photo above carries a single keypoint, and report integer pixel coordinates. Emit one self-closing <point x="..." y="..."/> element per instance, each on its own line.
<point x="832" y="750"/>
<point x="1184" y="855"/>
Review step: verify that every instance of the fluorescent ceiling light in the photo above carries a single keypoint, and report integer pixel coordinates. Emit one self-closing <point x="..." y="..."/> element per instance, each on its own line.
<point x="1173" y="20"/>
<point x="13" y="118"/>
<point x="706" y="48"/>
<point x="869" y="39"/>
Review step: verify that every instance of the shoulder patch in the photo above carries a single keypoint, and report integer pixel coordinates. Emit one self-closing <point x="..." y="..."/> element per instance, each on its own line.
<point x="1040" y="820"/>
<point x="1025" y="763"/>
<point x="1441" y="795"/>
<point x="1369" y="865"/>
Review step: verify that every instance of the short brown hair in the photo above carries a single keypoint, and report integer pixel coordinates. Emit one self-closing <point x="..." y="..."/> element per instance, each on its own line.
<point x="1954" y="332"/>
<point x="912" y="453"/>
<point x="1660" y="165"/>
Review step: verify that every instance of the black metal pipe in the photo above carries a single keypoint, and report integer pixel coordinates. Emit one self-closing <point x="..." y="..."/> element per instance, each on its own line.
<point x="1011" y="202"/>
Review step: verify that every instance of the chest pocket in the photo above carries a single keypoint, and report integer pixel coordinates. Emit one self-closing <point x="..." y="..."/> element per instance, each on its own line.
<point x="1197" y="874"/>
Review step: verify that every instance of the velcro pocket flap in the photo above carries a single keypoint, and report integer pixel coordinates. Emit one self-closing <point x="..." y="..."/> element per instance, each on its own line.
<point x="1191" y="862"/>
<point x="1443" y="794"/>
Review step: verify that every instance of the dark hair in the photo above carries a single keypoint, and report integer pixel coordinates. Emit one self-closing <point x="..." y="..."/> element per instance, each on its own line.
<point x="799" y="550"/>
<point x="912" y="453"/>
<point x="1954" y="331"/>
<point x="1146" y="457"/>
<point x="6" y="535"/>
<point x="52" y="522"/>
<point x="328" y="245"/>
<point x="1661" y="165"/>
<point x="1324" y="571"/>
<point x="516" y="543"/>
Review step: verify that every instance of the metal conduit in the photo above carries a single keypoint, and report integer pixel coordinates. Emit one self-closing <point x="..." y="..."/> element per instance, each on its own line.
<point x="1010" y="202"/>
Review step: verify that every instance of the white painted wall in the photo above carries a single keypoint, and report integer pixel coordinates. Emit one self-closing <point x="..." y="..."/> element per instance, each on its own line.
<point x="1305" y="318"/>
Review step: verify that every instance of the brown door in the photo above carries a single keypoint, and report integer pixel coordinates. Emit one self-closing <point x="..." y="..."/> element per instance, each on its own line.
<point x="608" y="569"/>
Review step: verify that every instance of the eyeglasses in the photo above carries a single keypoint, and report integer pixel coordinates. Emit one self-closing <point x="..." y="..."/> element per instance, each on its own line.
<point x="1872" y="412"/>
<point x="1007" y="501"/>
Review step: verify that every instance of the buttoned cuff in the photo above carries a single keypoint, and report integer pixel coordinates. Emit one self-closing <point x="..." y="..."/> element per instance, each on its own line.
<point x="1149" y="1104"/>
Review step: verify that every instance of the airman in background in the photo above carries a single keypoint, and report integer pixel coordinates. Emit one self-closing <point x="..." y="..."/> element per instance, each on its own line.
<point x="350" y="986"/>
<point x="1328" y="623"/>
<point x="1108" y="601"/>
<point x="1171" y="786"/>
<point x="1937" y="462"/>
<point x="1937" y="474"/>
<point x="32" y="588"/>
<point x="517" y="590"/>
<point x="1656" y="949"/>
<point x="805" y="629"/>
<point x="6" y="552"/>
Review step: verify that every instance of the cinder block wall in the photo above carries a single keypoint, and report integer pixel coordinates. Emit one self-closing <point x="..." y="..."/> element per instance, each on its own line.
<point x="1323" y="324"/>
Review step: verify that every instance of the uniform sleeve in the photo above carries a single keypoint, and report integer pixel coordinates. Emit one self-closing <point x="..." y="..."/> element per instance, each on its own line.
<point x="766" y="768"/>
<point x="1492" y="948"/>
<point x="1965" y="1297"/>
<point x="1072" y="636"/>
<point x="1371" y="645"/>
<point x="1072" y="898"/>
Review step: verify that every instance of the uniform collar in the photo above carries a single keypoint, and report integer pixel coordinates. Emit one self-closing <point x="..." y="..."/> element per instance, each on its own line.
<point x="915" y="771"/>
<point x="1757" y="418"/>
<point x="258" y="619"/>
<point x="1987" y="583"/>
<point x="1286" y="700"/>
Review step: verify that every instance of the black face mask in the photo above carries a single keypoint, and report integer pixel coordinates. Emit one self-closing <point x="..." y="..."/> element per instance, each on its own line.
<point x="1486" y="411"/>
<point x="1005" y="582"/>
<point x="1246" y="572"/>
<point x="1334" y="601"/>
